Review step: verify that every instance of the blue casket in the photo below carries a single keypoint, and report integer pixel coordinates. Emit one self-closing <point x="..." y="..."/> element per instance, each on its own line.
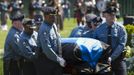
<point x="86" y="50"/>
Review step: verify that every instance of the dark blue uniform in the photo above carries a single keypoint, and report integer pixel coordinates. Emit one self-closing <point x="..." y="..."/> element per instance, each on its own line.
<point x="88" y="32"/>
<point x="77" y="32"/>
<point x="119" y="38"/>
<point x="48" y="41"/>
<point x="115" y="35"/>
<point x="11" y="57"/>
<point x="82" y="31"/>
<point x="50" y="61"/>
<point x="27" y="45"/>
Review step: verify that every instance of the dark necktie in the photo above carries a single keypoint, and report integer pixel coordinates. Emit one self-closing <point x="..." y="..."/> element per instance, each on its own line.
<point x="109" y="39"/>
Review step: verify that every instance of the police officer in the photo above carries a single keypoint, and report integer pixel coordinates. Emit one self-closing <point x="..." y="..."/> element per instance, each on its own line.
<point x="15" y="6"/>
<point x="11" y="54"/>
<point x="50" y="62"/>
<point x="4" y="14"/>
<point x="26" y="42"/>
<point x="81" y="31"/>
<point x="92" y="21"/>
<point x="115" y="35"/>
<point x="77" y="31"/>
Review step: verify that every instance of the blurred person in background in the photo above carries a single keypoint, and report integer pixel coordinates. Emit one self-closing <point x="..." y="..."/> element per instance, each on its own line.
<point x="4" y="14"/>
<point x="35" y="11"/>
<point x="16" y="5"/>
<point x="66" y="8"/>
<point x="59" y="14"/>
<point x="79" y="12"/>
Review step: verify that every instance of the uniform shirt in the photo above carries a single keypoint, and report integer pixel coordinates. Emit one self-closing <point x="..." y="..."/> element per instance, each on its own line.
<point x="48" y="41"/>
<point x="77" y="32"/>
<point x="82" y="31"/>
<point x="11" y="49"/>
<point x="118" y="34"/>
<point x="88" y="32"/>
<point x="27" y="44"/>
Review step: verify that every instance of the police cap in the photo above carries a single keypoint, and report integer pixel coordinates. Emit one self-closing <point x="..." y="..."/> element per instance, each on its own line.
<point x="17" y="16"/>
<point x="97" y="20"/>
<point x="111" y="10"/>
<point x="49" y="10"/>
<point x="38" y="19"/>
<point x="90" y="17"/>
<point x="29" y="23"/>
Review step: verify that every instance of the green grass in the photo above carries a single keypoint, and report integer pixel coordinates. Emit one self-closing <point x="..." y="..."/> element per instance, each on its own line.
<point x="2" y="38"/>
<point x="68" y="26"/>
<point x="1" y="67"/>
<point x="3" y="35"/>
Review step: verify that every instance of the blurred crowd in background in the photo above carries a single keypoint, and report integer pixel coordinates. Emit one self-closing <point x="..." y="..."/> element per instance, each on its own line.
<point x="65" y="9"/>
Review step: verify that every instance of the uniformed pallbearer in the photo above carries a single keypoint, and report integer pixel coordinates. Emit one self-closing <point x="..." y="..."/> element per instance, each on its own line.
<point x="115" y="35"/>
<point x="26" y="42"/>
<point x="11" y="52"/>
<point x="50" y="62"/>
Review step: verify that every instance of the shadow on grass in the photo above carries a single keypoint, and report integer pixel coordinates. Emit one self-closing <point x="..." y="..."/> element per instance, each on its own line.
<point x="1" y="66"/>
<point x="1" y="56"/>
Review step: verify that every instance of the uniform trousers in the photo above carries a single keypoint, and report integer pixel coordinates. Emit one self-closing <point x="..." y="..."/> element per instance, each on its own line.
<point x="44" y="66"/>
<point x="119" y="67"/>
<point x="28" y="68"/>
<point x="11" y="67"/>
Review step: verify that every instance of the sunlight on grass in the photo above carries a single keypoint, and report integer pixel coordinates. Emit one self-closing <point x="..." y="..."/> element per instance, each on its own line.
<point x="68" y="26"/>
<point x="3" y="35"/>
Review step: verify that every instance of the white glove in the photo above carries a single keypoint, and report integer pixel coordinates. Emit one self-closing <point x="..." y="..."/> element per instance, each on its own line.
<point x="109" y="60"/>
<point x="61" y="61"/>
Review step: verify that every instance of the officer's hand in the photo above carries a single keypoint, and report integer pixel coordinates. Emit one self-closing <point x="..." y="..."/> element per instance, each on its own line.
<point x="61" y="61"/>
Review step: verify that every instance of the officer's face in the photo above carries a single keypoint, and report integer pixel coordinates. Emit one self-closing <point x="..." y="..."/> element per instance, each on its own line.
<point x="18" y="24"/>
<point x="50" y="18"/>
<point x="28" y="29"/>
<point x="89" y="24"/>
<point x="94" y="25"/>
<point x="110" y="17"/>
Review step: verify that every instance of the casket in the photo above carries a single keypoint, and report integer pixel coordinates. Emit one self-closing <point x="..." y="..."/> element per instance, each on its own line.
<point x="81" y="53"/>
